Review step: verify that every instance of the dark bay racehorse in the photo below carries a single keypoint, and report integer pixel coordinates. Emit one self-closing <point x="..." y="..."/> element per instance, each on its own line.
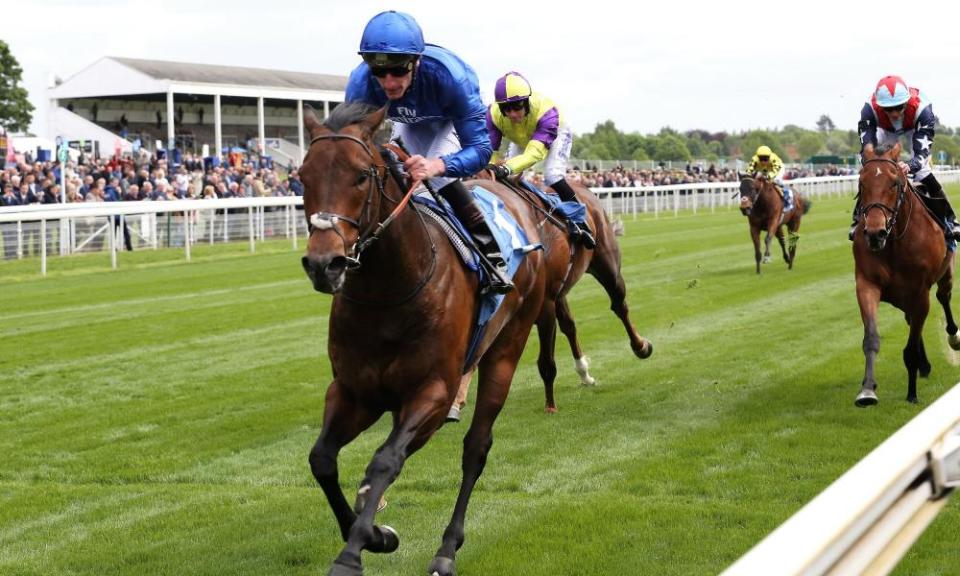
<point x="762" y="204"/>
<point x="900" y="252"/>
<point x="400" y="321"/>
<point x="566" y="261"/>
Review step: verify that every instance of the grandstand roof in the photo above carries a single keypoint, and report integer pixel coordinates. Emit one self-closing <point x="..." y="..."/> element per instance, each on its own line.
<point x="114" y="76"/>
<point x="214" y="74"/>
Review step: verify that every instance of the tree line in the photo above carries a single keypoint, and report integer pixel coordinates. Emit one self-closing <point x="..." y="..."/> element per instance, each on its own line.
<point x="792" y="143"/>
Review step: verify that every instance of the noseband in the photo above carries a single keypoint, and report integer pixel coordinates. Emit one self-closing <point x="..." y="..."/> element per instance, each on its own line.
<point x="329" y="220"/>
<point x="899" y="184"/>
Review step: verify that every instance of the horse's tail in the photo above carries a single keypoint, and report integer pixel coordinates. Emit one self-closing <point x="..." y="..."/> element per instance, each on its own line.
<point x="807" y="203"/>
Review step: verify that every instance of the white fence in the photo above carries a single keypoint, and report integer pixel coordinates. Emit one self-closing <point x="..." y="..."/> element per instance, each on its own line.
<point x="45" y="230"/>
<point x="865" y="521"/>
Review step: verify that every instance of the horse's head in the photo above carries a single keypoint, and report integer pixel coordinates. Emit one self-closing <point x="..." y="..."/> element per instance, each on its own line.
<point x="343" y="176"/>
<point x="882" y="187"/>
<point x="749" y="188"/>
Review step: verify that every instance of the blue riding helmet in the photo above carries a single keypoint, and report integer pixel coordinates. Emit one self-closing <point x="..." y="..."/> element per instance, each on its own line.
<point x="392" y="32"/>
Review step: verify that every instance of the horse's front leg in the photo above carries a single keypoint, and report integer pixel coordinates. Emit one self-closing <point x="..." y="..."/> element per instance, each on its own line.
<point x="868" y="297"/>
<point x="496" y="373"/>
<point x="343" y="420"/>
<point x="771" y="232"/>
<point x="944" y="293"/>
<point x="569" y="328"/>
<point x="419" y="417"/>
<point x="755" y="236"/>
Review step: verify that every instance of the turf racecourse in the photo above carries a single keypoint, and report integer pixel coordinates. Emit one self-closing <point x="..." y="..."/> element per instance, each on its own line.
<point x="157" y="419"/>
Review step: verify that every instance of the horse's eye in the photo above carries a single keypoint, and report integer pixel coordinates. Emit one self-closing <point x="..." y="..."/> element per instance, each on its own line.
<point x="362" y="178"/>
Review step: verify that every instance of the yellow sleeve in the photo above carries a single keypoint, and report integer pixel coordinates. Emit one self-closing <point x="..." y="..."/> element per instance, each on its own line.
<point x="752" y="166"/>
<point x="533" y="153"/>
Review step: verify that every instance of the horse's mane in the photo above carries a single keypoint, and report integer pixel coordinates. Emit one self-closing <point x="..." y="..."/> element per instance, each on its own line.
<point x="881" y="150"/>
<point x="347" y="114"/>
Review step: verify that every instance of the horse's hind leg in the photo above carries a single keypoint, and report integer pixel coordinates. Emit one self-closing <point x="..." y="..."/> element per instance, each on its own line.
<point x="793" y="237"/>
<point x="914" y="355"/>
<point x="783" y="246"/>
<point x="605" y="267"/>
<point x="569" y="329"/>
<point x="944" y="293"/>
<point x="546" y="364"/>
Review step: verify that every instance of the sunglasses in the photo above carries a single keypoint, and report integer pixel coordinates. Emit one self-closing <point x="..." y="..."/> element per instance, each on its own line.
<point x="508" y="106"/>
<point x="395" y="71"/>
<point x="895" y="108"/>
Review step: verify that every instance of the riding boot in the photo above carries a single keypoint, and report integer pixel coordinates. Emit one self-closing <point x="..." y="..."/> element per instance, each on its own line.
<point x="941" y="206"/>
<point x="579" y="230"/>
<point x="472" y="218"/>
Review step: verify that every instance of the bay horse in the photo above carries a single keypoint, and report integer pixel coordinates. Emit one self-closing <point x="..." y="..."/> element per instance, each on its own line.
<point x="762" y="204"/>
<point x="400" y="323"/>
<point x="566" y="262"/>
<point x="899" y="251"/>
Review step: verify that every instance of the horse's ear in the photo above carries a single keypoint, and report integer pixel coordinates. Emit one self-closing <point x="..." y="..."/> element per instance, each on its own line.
<point x="868" y="152"/>
<point x="373" y="121"/>
<point x="310" y="120"/>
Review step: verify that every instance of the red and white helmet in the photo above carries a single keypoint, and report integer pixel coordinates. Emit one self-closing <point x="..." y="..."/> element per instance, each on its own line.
<point x="891" y="91"/>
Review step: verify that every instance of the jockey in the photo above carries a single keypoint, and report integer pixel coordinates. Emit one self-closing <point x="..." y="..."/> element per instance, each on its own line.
<point x="767" y="164"/>
<point x="436" y="109"/>
<point x="893" y="111"/>
<point x="531" y="121"/>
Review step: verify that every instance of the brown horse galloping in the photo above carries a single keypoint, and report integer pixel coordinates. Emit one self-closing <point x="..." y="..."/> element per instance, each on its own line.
<point x="900" y="252"/>
<point x="566" y="261"/>
<point x="761" y="203"/>
<point x="399" y="328"/>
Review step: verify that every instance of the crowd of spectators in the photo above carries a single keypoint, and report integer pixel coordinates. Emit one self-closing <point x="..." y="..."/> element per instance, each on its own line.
<point x="149" y="178"/>
<point x="142" y="178"/>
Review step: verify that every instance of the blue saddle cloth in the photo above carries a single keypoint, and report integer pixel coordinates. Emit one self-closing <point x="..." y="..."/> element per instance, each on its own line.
<point x="572" y="210"/>
<point x="511" y="238"/>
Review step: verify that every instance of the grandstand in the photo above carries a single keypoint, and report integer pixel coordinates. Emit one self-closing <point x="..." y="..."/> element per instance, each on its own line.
<point x="125" y="103"/>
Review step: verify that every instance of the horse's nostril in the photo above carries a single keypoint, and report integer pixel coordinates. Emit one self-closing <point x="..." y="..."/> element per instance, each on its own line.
<point x="881" y="234"/>
<point x="337" y="266"/>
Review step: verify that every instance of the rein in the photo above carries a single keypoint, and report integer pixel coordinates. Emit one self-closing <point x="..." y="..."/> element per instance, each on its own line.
<point x="901" y="186"/>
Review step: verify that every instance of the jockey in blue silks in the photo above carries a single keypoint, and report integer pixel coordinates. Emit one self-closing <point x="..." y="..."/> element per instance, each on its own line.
<point x="436" y="109"/>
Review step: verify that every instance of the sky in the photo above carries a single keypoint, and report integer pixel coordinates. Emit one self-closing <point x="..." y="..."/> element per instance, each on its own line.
<point x="719" y="66"/>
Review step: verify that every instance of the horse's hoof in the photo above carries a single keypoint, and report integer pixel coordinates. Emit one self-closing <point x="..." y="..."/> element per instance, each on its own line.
<point x="441" y="566"/>
<point x="343" y="570"/>
<point x="912" y="399"/>
<point x="954" y="341"/>
<point x="866" y="398"/>
<point x="387" y="540"/>
<point x="766" y="260"/>
<point x="645" y="351"/>
<point x="550" y="409"/>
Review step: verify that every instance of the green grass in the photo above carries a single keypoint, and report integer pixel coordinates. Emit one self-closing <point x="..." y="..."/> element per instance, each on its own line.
<point x="156" y="419"/>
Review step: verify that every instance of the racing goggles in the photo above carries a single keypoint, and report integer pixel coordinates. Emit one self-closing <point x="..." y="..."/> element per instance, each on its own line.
<point x="514" y="105"/>
<point x="393" y="64"/>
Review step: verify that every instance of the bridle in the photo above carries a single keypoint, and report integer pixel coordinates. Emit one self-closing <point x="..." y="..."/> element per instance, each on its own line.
<point x="900" y="184"/>
<point x="370" y="234"/>
<point x="329" y="220"/>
